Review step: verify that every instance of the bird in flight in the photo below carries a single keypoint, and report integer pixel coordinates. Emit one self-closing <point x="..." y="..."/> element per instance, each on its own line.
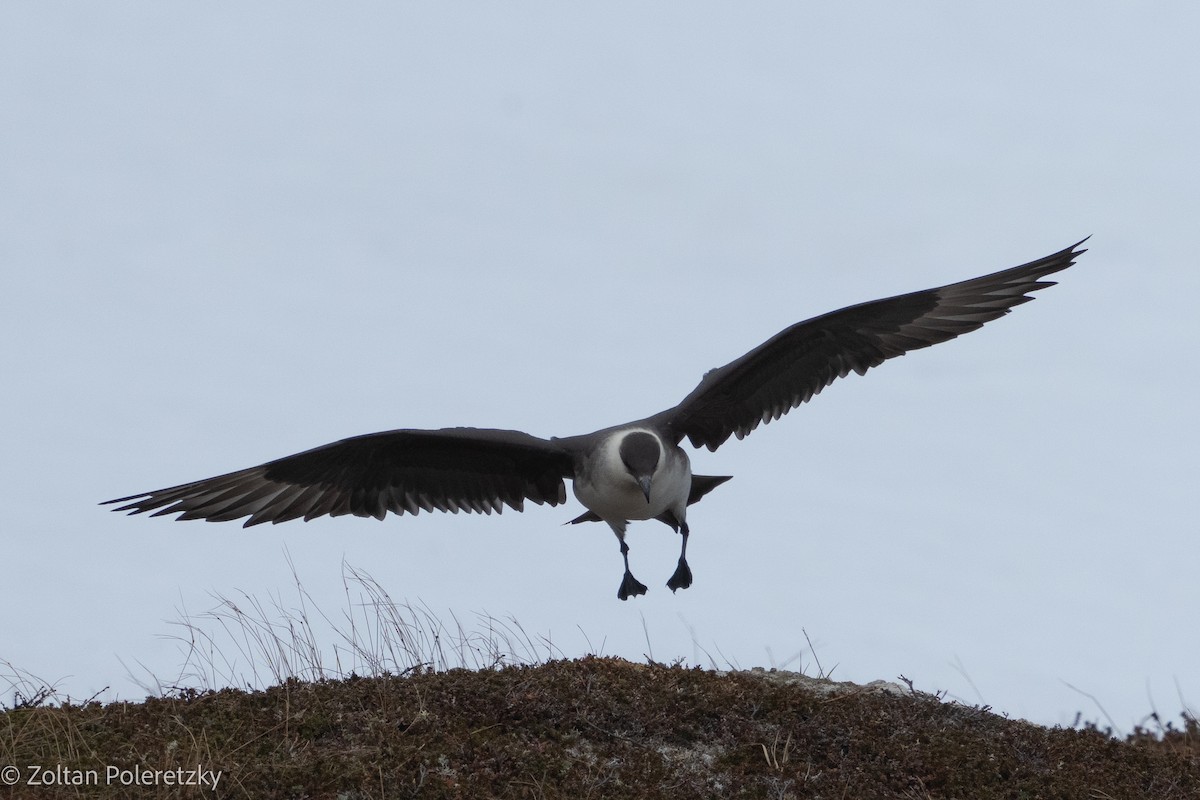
<point x="635" y="471"/>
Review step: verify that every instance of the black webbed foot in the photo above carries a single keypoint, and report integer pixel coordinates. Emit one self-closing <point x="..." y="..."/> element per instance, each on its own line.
<point x="630" y="587"/>
<point x="682" y="578"/>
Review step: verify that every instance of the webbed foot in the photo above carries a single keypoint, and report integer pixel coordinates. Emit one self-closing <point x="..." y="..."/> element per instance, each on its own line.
<point x="630" y="587"/>
<point x="682" y="578"/>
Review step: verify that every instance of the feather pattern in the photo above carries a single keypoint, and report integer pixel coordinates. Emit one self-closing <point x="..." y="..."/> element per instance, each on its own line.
<point x="404" y="471"/>
<point x="797" y="363"/>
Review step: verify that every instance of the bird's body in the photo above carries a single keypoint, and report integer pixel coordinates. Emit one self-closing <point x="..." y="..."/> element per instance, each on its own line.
<point x="608" y="489"/>
<point x="636" y="471"/>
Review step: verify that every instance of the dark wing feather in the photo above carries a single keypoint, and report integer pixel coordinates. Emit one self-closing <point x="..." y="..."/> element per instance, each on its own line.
<point x="800" y="361"/>
<point x="454" y="469"/>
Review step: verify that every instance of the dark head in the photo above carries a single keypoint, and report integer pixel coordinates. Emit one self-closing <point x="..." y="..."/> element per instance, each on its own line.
<point x="639" y="452"/>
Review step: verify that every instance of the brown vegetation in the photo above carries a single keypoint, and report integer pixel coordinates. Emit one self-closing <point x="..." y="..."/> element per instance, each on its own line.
<point x="595" y="727"/>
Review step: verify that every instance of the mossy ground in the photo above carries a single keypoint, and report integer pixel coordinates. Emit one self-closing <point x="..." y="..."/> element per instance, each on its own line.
<point x="589" y="728"/>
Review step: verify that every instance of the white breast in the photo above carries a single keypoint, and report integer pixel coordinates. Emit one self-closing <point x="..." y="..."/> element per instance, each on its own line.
<point x="606" y="487"/>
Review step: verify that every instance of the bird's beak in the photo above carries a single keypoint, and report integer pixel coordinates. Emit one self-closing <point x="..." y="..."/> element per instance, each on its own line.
<point x="644" y="482"/>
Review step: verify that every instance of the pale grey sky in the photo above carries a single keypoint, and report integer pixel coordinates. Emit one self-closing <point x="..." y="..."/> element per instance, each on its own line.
<point x="233" y="232"/>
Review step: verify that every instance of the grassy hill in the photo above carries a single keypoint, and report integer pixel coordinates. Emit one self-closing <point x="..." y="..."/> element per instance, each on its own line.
<point x="589" y="728"/>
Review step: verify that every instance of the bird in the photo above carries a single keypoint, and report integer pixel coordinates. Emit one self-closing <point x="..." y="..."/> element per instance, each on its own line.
<point x="629" y="472"/>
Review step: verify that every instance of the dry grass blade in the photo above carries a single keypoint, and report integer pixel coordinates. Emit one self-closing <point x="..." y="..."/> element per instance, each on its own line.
<point x="251" y="643"/>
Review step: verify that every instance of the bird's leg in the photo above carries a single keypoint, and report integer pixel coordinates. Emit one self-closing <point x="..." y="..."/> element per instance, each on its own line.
<point x="630" y="586"/>
<point x="682" y="578"/>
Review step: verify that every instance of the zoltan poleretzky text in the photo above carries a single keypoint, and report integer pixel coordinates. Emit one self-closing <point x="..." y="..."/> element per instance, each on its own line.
<point x="59" y="775"/>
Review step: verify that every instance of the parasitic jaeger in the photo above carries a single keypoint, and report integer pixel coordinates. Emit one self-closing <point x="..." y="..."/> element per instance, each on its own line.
<point x="635" y="471"/>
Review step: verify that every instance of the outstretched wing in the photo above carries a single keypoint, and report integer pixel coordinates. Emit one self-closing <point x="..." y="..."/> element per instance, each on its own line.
<point x="454" y="469"/>
<point x="800" y="361"/>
